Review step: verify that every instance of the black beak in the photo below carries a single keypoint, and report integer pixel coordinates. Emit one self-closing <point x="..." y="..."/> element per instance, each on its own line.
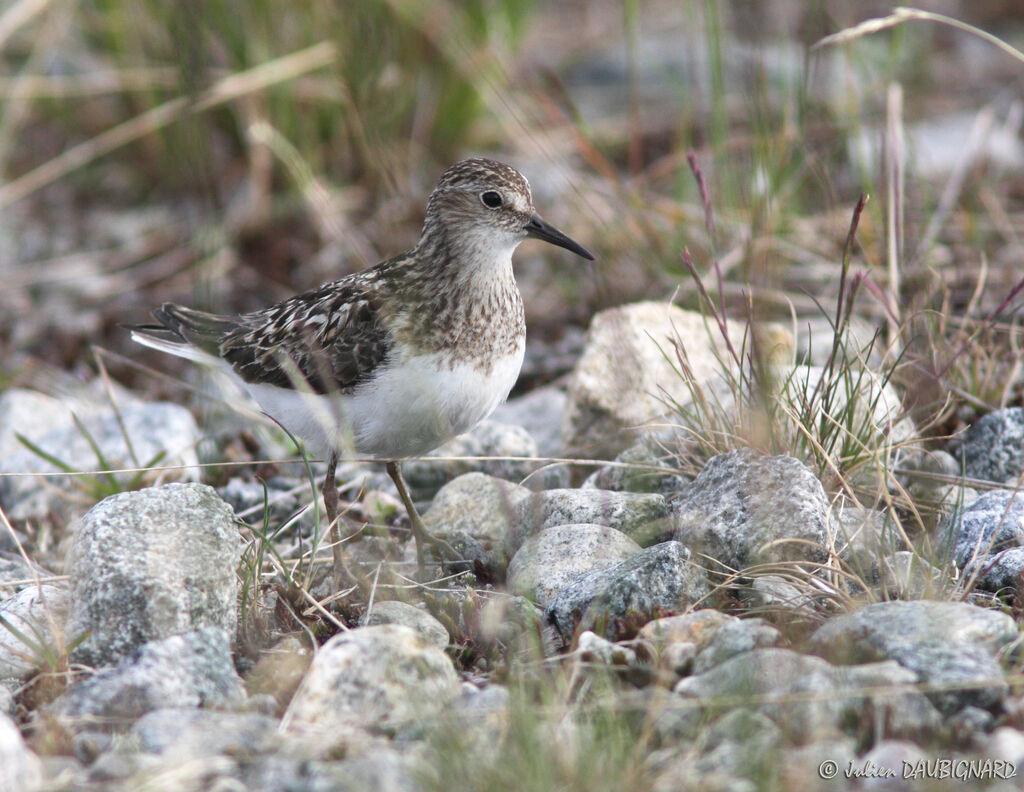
<point x="538" y="229"/>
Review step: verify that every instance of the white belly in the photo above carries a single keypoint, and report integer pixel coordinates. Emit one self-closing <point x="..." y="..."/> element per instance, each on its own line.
<point x="404" y="411"/>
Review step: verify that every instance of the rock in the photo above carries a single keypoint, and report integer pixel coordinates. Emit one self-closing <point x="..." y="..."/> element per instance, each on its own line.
<point x="395" y="612"/>
<point x="492" y="442"/>
<point x="279" y="671"/>
<point x="616" y="601"/>
<point x="189" y="670"/>
<point x="539" y="412"/>
<point x="906" y="576"/>
<point x="480" y="506"/>
<point x="993" y="448"/>
<point x="745" y="509"/>
<point x="514" y="625"/>
<point x="592" y="648"/>
<point x="150" y="564"/>
<point x="646" y="466"/>
<point x="551" y="559"/>
<point x="809" y="699"/>
<point x="642" y="517"/>
<point x="697" y="628"/>
<point x="202" y="732"/>
<point x="20" y="769"/>
<point x="378" y="678"/>
<point x="40" y="614"/>
<point x="16" y="575"/>
<point x="985" y="539"/>
<point x="776" y="593"/>
<point x="160" y="433"/>
<point x="628" y="372"/>
<point x="942" y="643"/>
<point x="732" y="638"/>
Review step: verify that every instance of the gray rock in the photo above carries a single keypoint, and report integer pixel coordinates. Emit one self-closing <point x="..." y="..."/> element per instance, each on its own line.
<point x="153" y="429"/>
<point x="628" y="374"/>
<point x="646" y="466"/>
<point x="616" y="601"/>
<point x="985" y="539"/>
<point x="150" y="564"/>
<point x="203" y="732"/>
<point x="551" y="559"/>
<point x="16" y="575"/>
<point x="993" y="448"/>
<point x="697" y="628"/>
<point x="745" y="509"/>
<point x="383" y="770"/>
<point x="946" y="644"/>
<point x="492" y="442"/>
<point x="642" y="517"/>
<point x="20" y="769"/>
<point x="395" y="612"/>
<point x="378" y="678"/>
<point x="810" y="699"/>
<point x="514" y="625"/>
<point x="38" y="614"/>
<point x="184" y="671"/>
<point x="480" y="506"/>
<point x="776" y="593"/>
<point x="733" y="638"/>
<point x="539" y="412"/>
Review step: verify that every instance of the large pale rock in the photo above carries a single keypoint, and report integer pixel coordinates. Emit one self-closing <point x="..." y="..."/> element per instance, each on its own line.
<point x="152" y="564"/>
<point x="628" y="366"/>
<point x="629" y="373"/>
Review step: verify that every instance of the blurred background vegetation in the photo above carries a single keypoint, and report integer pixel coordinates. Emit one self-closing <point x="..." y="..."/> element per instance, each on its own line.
<point x="228" y="154"/>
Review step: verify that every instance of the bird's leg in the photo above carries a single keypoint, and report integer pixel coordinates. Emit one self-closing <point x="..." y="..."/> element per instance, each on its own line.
<point x="419" y="530"/>
<point x="343" y="577"/>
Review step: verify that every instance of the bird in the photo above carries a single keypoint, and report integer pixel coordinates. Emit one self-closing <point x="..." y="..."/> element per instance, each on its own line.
<point x="392" y="361"/>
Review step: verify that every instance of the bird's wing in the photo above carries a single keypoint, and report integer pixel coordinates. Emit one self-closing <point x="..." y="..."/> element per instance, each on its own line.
<point x="331" y="338"/>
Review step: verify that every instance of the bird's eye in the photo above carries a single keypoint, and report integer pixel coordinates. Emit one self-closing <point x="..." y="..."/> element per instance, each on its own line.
<point x="491" y="199"/>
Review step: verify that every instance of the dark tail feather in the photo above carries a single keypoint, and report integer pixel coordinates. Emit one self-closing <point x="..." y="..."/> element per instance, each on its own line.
<point x="198" y="328"/>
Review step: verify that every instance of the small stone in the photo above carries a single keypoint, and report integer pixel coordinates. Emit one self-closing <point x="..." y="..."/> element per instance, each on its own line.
<point x="993" y="448"/>
<point x="643" y="517"/>
<point x="985" y="539"/>
<point x="697" y="628"/>
<point x="395" y="612"/>
<point x="480" y="506"/>
<point x="378" y="678"/>
<point x="40" y="614"/>
<point x="733" y="638"/>
<point x="617" y="601"/>
<point x="539" y="412"/>
<point x="491" y="444"/>
<point x="551" y="559"/>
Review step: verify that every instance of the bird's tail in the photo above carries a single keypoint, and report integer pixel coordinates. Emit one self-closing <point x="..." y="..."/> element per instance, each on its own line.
<point x="185" y="332"/>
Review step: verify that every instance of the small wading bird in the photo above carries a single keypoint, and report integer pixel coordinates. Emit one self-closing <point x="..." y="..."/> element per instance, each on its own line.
<point x="393" y="361"/>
